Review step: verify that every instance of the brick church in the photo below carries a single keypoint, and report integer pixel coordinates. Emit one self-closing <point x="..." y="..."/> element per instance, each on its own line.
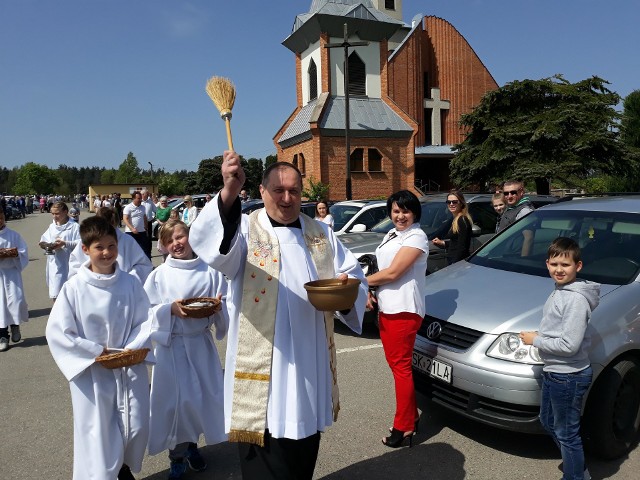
<point x="408" y="85"/>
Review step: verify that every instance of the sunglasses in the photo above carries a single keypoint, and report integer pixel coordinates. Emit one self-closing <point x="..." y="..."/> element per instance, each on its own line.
<point x="452" y="202"/>
<point x="511" y="192"/>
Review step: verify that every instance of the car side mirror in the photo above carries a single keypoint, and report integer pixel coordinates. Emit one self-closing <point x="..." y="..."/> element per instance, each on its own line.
<point x="359" y="227"/>
<point x="475" y="230"/>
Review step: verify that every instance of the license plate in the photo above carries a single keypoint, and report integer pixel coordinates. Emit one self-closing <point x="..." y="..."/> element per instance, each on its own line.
<point x="432" y="367"/>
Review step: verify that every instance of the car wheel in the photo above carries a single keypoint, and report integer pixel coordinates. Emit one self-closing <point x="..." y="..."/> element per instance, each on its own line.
<point x="612" y="416"/>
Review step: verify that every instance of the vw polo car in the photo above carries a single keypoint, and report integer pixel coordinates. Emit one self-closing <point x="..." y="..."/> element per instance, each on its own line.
<point x="468" y="357"/>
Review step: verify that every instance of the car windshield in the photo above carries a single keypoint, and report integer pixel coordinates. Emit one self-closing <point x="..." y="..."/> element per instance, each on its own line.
<point x="610" y="244"/>
<point x="342" y="214"/>
<point x="435" y="220"/>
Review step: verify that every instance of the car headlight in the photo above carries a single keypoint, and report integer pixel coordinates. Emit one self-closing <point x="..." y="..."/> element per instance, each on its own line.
<point x="508" y="346"/>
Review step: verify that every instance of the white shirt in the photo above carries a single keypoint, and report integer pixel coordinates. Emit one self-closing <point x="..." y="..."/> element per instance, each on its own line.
<point x="405" y="294"/>
<point x="137" y="217"/>
<point x="328" y="219"/>
<point x="150" y="208"/>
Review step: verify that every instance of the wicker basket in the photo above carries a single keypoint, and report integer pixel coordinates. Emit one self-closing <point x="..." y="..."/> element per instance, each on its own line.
<point x="124" y="358"/>
<point x="8" y="252"/>
<point x="200" y="307"/>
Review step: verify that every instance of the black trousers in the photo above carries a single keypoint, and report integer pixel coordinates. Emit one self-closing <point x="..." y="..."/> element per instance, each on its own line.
<point x="142" y="240"/>
<point x="280" y="458"/>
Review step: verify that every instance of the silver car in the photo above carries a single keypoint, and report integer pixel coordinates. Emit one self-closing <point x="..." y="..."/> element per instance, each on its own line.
<point x="468" y="357"/>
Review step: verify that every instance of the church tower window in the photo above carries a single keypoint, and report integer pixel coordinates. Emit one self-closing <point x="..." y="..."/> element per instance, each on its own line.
<point x="313" y="80"/>
<point x="357" y="76"/>
<point x="390" y="4"/>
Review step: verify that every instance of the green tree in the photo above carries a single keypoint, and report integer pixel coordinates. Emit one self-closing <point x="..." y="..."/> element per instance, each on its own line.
<point x="191" y="182"/>
<point x="631" y="120"/>
<point x="209" y="175"/>
<point x="270" y="160"/>
<point x="253" y="169"/>
<point x="171" y="184"/>
<point x="108" y="176"/>
<point x="542" y="130"/>
<point x="33" y="178"/>
<point x="316" y="191"/>
<point x="128" y="171"/>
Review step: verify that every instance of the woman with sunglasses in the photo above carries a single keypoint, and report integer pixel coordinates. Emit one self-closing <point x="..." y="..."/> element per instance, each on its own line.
<point x="190" y="211"/>
<point x="457" y="241"/>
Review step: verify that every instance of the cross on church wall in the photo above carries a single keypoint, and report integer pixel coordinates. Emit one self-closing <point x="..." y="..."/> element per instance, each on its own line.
<point x="436" y="104"/>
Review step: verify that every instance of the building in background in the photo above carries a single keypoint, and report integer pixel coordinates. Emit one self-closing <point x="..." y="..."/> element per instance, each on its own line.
<point x="407" y="89"/>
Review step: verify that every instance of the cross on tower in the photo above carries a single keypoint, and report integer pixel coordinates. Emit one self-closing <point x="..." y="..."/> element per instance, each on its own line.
<point x="436" y="105"/>
<point x="345" y="44"/>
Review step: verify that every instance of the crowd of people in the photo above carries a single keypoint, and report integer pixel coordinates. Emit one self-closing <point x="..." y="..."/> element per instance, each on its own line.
<point x="279" y="389"/>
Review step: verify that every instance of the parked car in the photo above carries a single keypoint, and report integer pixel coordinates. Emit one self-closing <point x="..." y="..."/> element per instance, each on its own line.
<point x="11" y="210"/>
<point x="435" y="221"/>
<point x="468" y="356"/>
<point x="360" y="215"/>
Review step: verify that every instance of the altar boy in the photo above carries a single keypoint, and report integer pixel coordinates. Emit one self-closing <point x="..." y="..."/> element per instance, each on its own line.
<point x="101" y="308"/>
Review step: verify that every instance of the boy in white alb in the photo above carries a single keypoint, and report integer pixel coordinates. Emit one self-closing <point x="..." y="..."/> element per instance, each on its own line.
<point x="102" y="308"/>
<point x="13" y="306"/>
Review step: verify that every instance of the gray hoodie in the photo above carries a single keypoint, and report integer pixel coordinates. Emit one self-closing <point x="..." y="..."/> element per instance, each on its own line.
<point x="563" y="338"/>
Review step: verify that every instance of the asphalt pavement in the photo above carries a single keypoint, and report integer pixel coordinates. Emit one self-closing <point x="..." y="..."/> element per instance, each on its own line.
<point x="37" y="442"/>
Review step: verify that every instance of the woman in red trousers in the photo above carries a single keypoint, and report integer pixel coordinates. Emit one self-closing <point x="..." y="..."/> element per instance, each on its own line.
<point x="400" y="284"/>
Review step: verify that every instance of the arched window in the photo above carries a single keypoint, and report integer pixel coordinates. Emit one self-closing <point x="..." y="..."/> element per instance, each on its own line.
<point x="313" y="80"/>
<point x="357" y="75"/>
<point x="301" y="164"/>
<point x="295" y="160"/>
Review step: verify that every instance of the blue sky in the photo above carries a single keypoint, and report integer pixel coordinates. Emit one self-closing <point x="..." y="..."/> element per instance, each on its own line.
<point x="84" y="82"/>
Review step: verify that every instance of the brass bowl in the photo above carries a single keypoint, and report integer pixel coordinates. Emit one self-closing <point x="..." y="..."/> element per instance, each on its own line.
<point x="332" y="294"/>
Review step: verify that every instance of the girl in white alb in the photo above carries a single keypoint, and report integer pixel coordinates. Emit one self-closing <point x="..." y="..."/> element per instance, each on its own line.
<point x="62" y="235"/>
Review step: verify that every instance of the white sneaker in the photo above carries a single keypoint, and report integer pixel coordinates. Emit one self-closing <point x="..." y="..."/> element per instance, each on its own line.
<point x="15" y="333"/>
<point x="4" y="344"/>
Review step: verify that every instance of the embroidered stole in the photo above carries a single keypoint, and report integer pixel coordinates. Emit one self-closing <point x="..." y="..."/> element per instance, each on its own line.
<point x="256" y="327"/>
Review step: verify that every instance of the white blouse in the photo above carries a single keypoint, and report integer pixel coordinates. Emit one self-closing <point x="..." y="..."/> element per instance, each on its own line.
<point x="405" y="294"/>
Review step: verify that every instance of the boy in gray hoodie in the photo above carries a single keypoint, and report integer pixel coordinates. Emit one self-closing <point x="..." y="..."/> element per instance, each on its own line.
<point x="563" y="340"/>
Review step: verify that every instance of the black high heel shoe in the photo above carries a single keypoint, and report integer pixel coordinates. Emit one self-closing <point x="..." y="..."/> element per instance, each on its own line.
<point x="415" y="426"/>
<point x="397" y="437"/>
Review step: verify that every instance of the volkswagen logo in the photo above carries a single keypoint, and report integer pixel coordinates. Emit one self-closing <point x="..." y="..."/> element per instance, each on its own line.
<point x="434" y="330"/>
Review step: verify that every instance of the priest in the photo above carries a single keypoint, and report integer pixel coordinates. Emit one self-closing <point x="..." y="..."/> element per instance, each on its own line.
<point x="281" y="386"/>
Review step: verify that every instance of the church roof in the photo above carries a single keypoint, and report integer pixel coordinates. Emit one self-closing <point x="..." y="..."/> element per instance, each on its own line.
<point x="367" y="118"/>
<point x="328" y="16"/>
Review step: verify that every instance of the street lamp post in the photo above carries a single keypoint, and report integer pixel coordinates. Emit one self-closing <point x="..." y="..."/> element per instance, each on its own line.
<point x="151" y="165"/>
<point x="345" y="44"/>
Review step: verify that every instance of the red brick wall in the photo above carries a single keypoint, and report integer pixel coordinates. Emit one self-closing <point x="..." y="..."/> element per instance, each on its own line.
<point x="457" y="70"/>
